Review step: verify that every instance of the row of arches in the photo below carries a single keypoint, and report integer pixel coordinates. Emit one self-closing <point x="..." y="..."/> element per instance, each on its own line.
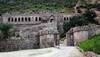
<point x="23" y="19"/>
<point x="30" y="19"/>
<point x="67" y="18"/>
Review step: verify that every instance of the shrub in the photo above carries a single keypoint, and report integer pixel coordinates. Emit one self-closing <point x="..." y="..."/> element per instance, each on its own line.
<point x="92" y="44"/>
<point x="81" y="20"/>
<point x="4" y="28"/>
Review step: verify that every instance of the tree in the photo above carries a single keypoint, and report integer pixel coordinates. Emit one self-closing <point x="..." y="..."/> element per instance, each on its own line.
<point x="5" y="31"/>
<point x="74" y="21"/>
<point x="89" y="17"/>
<point x="69" y="3"/>
<point x="90" y="6"/>
<point x="81" y="20"/>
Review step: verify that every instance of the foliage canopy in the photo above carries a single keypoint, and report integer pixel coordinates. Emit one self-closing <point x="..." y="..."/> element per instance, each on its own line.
<point x="4" y="28"/>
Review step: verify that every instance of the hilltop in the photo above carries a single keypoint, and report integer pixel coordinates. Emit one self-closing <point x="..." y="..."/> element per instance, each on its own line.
<point x="36" y="5"/>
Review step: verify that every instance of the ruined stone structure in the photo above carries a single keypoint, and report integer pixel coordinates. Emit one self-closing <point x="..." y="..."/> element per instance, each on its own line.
<point x="41" y="28"/>
<point x="49" y="36"/>
<point x="78" y="34"/>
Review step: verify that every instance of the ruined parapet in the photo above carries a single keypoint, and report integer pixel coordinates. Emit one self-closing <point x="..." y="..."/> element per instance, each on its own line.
<point x="81" y="33"/>
<point x="48" y="37"/>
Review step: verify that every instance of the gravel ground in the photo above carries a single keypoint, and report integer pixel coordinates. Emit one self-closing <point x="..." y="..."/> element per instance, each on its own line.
<point x="46" y="52"/>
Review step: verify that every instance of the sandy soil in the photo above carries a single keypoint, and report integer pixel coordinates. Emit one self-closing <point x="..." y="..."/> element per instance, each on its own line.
<point x="46" y="52"/>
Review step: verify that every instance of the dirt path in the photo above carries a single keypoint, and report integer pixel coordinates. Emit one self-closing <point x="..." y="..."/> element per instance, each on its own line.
<point x="47" y="52"/>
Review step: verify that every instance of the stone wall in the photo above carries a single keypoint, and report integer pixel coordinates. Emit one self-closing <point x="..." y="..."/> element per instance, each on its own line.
<point x="34" y="18"/>
<point x="49" y="40"/>
<point x="49" y="36"/>
<point x="78" y="34"/>
<point x="27" y="27"/>
<point x="30" y="37"/>
<point x="18" y="44"/>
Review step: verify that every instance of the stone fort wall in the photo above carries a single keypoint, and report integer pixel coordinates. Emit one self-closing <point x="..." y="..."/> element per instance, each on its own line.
<point x="30" y="37"/>
<point x="33" y="30"/>
<point x="78" y="34"/>
<point x="34" y="18"/>
<point x="19" y="44"/>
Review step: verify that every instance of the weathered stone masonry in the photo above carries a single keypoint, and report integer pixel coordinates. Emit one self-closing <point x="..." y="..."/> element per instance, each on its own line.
<point x="33" y="30"/>
<point x="78" y="34"/>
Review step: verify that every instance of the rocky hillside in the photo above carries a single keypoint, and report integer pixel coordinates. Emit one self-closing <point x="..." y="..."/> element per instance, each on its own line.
<point x="93" y="1"/>
<point x="40" y="5"/>
<point x="35" y="5"/>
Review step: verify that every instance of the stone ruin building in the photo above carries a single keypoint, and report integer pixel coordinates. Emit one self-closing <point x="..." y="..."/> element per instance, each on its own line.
<point x="35" y="30"/>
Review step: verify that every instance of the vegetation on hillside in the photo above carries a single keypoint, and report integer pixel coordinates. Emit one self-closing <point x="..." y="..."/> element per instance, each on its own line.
<point x="90" y="6"/>
<point x="93" y="44"/>
<point x="4" y="29"/>
<point x="81" y="20"/>
<point x="35" y="5"/>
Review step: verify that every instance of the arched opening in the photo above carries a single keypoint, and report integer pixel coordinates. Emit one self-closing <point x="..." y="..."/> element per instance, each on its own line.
<point x="29" y="19"/>
<point x="67" y="18"/>
<point x="18" y="19"/>
<point x="40" y="18"/>
<point x="22" y="19"/>
<point x="8" y="19"/>
<point x="12" y="19"/>
<point x="51" y="20"/>
<point x="64" y="18"/>
<point x="15" y="19"/>
<point x="36" y="19"/>
<point x="26" y="19"/>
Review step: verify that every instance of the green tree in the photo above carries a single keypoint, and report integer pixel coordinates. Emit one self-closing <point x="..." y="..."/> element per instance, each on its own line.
<point x="4" y="28"/>
<point x="90" y="6"/>
<point x="69" y="3"/>
<point x="89" y="17"/>
<point x="81" y="20"/>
